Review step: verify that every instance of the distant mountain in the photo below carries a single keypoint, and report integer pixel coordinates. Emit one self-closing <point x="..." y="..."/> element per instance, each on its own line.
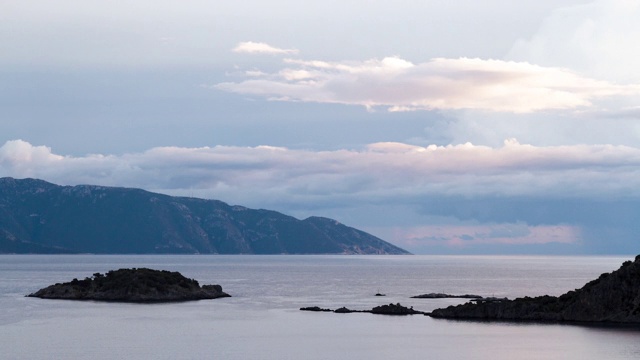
<point x="40" y="217"/>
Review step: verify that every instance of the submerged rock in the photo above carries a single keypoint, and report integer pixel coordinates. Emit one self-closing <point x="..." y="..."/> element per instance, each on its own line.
<point x="612" y="298"/>
<point x="132" y="285"/>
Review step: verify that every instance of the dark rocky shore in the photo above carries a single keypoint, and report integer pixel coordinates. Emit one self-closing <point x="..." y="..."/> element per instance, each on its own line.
<point x="612" y="298"/>
<point x="132" y="285"/>
<point x="391" y="309"/>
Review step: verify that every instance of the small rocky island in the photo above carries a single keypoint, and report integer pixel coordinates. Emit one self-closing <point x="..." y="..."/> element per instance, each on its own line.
<point x="138" y="285"/>
<point x="445" y="296"/>
<point x="391" y="309"/>
<point x="612" y="298"/>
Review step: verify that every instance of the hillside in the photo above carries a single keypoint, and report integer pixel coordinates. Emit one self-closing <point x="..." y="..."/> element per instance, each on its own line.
<point x="40" y="217"/>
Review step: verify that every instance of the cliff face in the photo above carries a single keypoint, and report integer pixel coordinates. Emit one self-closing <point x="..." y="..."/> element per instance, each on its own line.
<point x="40" y="217"/>
<point x="613" y="297"/>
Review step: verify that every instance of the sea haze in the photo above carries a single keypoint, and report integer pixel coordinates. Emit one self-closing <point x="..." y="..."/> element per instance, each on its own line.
<point x="262" y="320"/>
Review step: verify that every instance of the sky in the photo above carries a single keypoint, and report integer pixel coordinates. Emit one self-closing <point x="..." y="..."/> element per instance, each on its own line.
<point x="466" y="127"/>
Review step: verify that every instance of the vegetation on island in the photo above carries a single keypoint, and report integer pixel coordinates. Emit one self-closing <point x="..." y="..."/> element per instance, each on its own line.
<point x="132" y="285"/>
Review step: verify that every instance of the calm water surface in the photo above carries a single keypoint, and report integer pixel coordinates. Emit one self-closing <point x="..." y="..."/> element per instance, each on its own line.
<point x="262" y="320"/>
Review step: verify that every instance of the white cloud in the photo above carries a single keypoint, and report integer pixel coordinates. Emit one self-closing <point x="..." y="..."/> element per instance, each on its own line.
<point x="23" y="159"/>
<point x="250" y="47"/>
<point x="400" y="85"/>
<point x="597" y="39"/>
<point x="379" y="173"/>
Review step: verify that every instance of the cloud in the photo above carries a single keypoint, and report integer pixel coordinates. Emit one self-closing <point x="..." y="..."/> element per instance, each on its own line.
<point x="23" y="159"/>
<point x="377" y="173"/>
<point x="250" y="47"/>
<point x="399" y="85"/>
<point x="597" y="38"/>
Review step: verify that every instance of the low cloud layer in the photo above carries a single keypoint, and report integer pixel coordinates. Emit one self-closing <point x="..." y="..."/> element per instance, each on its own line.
<point x="399" y="85"/>
<point x="464" y="236"/>
<point x="378" y="172"/>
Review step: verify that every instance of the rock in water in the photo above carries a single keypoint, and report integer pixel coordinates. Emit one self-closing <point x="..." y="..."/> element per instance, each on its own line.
<point x="391" y="309"/>
<point x="315" y="308"/>
<point x="612" y="298"/>
<point x="394" y="309"/>
<point x="445" y="296"/>
<point x="132" y="285"/>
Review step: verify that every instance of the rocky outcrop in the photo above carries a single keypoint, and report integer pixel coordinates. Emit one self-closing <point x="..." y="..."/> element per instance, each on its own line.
<point x="612" y="298"/>
<point x="394" y="309"/>
<point x="445" y="296"/>
<point x="132" y="285"/>
<point x="391" y="309"/>
<point x="316" y="309"/>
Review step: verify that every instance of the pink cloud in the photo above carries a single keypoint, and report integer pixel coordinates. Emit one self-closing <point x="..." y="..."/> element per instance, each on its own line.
<point x="464" y="236"/>
<point x="378" y="172"/>
<point x="464" y="83"/>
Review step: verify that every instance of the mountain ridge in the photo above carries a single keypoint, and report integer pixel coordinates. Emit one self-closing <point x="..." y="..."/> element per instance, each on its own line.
<point x="40" y="217"/>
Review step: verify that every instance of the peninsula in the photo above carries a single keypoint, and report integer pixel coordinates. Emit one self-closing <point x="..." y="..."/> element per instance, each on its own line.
<point x="140" y="285"/>
<point x="611" y="298"/>
<point x="43" y="218"/>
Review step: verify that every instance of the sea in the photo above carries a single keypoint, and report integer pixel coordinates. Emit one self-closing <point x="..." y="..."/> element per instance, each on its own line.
<point x="262" y="319"/>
